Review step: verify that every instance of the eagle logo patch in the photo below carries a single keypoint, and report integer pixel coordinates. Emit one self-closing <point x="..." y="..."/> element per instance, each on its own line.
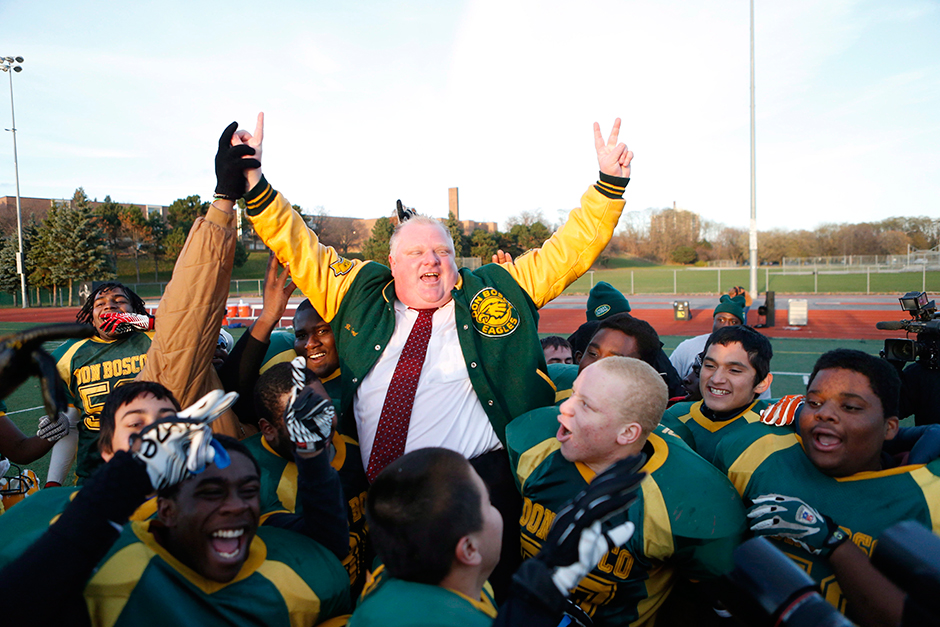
<point x="493" y="315"/>
<point x="341" y="266"/>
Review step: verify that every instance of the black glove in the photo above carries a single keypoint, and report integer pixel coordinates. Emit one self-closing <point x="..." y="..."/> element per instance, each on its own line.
<point x="230" y="166"/>
<point x="404" y="213"/>
<point x="22" y="356"/>
<point x="576" y="541"/>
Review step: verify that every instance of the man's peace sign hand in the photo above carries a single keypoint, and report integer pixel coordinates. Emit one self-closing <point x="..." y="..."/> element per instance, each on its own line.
<point x="613" y="159"/>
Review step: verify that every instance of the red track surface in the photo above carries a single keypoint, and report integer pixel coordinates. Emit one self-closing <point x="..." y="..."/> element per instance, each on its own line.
<point x="39" y="315"/>
<point x="830" y="324"/>
<point x="823" y="323"/>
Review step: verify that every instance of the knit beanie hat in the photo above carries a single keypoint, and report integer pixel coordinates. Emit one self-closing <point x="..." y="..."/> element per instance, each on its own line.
<point x="733" y="306"/>
<point x="605" y="301"/>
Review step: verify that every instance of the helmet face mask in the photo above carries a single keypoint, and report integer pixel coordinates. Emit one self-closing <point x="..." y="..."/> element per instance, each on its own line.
<point x="16" y="488"/>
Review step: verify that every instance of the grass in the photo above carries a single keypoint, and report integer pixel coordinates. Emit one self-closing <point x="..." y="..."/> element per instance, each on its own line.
<point x="683" y="280"/>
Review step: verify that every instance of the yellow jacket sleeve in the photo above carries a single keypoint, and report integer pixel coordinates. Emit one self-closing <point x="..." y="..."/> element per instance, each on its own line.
<point x="545" y="272"/>
<point x="319" y="271"/>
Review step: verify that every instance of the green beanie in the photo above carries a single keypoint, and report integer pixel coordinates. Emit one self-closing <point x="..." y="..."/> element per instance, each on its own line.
<point x="733" y="306"/>
<point x="604" y="301"/>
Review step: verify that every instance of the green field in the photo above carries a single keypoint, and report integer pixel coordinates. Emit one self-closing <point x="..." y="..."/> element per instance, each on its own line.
<point x="683" y="280"/>
<point x="792" y="359"/>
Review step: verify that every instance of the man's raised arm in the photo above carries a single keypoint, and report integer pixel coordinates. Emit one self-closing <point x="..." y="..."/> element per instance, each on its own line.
<point x="319" y="271"/>
<point x="546" y="271"/>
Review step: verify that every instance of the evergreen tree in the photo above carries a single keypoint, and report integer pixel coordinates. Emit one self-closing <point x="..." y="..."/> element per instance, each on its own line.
<point x="528" y="236"/>
<point x="136" y="232"/>
<point x="241" y="254"/>
<point x="376" y="247"/>
<point x="173" y="243"/>
<point x="108" y="218"/>
<point x="82" y="251"/>
<point x="43" y="251"/>
<point x="483" y="244"/>
<point x="9" y="279"/>
<point x="159" y="230"/>
<point x="183" y="212"/>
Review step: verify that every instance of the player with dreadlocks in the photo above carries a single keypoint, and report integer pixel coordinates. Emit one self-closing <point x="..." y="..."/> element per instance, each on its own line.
<point x="109" y="323"/>
<point x="92" y="367"/>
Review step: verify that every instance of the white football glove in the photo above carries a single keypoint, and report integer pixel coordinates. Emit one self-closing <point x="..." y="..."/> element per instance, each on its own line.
<point x="53" y="430"/>
<point x="177" y="447"/>
<point x="577" y="541"/>
<point x="592" y="546"/>
<point x="308" y="416"/>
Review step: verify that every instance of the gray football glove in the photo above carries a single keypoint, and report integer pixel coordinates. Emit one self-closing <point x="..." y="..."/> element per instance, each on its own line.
<point x="53" y="430"/>
<point x="780" y="516"/>
<point x="177" y="447"/>
<point x="308" y="416"/>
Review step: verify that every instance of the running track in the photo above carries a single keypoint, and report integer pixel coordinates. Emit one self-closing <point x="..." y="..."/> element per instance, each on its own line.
<point x="830" y="316"/>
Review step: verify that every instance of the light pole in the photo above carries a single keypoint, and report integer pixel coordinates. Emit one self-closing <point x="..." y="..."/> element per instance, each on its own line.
<point x="11" y="65"/>
<point x="752" y="286"/>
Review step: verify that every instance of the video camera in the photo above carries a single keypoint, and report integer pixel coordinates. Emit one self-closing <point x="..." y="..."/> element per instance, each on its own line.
<point x="767" y="588"/>
<point x="925" y="322"/>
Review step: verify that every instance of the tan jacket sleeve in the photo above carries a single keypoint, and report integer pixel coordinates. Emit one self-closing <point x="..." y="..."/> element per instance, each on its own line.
<point x="545" y="272"/>
<point x="190" y="315"/>
<point x="319" y="271"/>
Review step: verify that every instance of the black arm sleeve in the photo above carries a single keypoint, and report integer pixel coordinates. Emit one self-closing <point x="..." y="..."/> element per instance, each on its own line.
<point x="320" y="493"/>
<point x="61" y="561"/>
<point x="533" y="599"/>
<point x="239" y="373"/>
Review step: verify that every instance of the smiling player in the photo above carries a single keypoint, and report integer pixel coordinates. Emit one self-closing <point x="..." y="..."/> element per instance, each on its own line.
<point x="837" y="467"/>
<point x="202" y="560"/>
<point x="735" y="370"/>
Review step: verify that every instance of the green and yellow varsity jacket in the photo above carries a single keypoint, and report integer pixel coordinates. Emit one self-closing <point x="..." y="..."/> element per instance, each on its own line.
<point x="496" y="306"/>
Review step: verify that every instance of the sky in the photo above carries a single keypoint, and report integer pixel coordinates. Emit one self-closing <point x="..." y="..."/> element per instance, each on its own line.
<point x="367" y="102"/>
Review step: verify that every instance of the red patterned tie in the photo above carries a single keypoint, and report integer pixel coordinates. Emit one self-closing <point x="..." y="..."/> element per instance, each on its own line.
<point x="390" y="437"/>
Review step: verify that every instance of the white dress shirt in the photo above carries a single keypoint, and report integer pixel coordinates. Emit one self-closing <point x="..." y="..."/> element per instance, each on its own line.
<point x="446" y="412"/>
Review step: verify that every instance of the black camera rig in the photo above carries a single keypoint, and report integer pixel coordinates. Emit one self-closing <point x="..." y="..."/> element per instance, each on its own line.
<point x="925" y="323"/>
